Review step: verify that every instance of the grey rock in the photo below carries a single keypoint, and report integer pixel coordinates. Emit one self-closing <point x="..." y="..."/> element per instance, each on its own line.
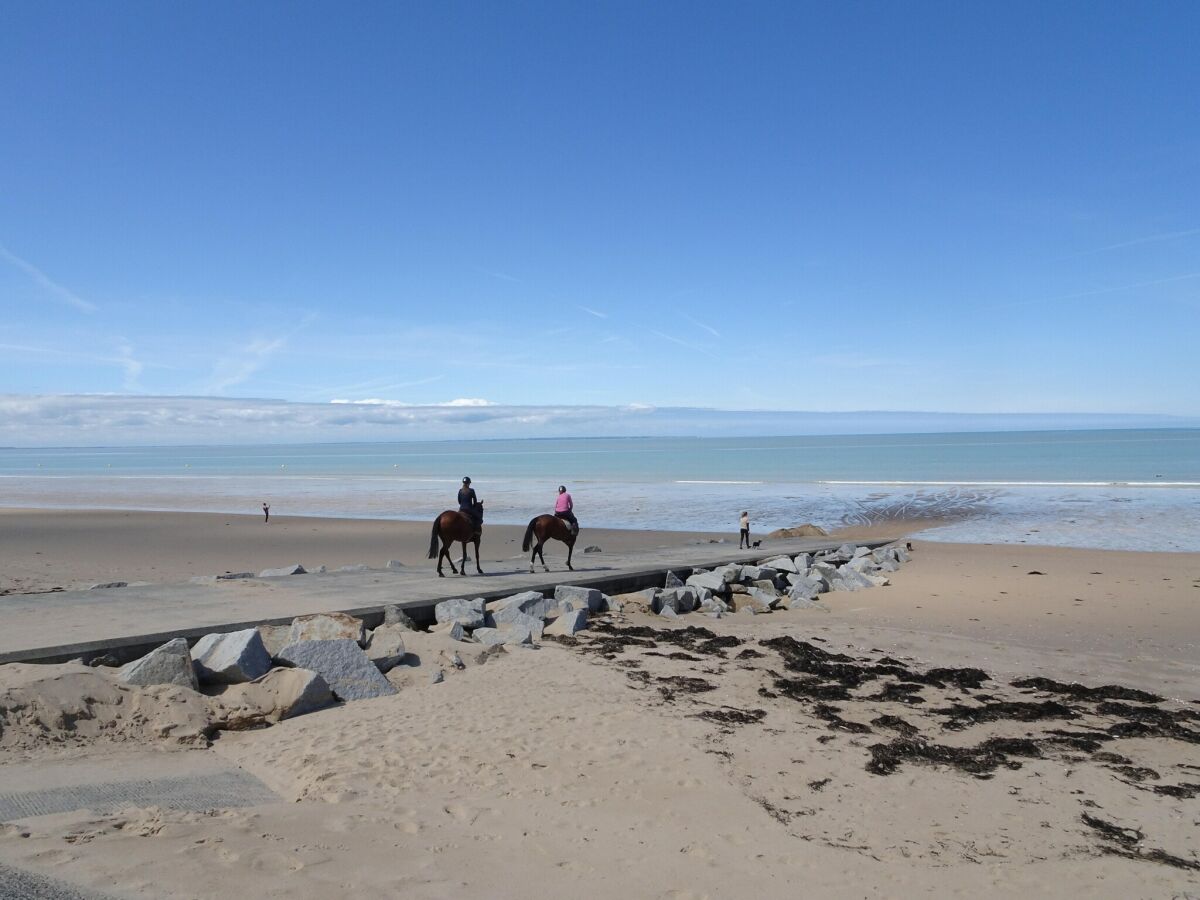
<point x="357" y="567"/>
<point x="327" y="627"/>
<point x="768" y="599"/>
<point x="802" y="561"/>
<point x="512" y="636"/>
<point x="729" y="573"/>
<point x="672" y="580"/>
<point x="394" y="564"/>
<point x="711" y="580"/>
<point x="802" y="603"/>
<point x="529" y="603"/>
<point x="589" y="597"/>
<point x="667" y="613"/>
<point x="319" y="570"/>
<point x="568" y="623"/>
<point x="782" y="564"/>
<point x="759" y="573"/>
<point x="438" y="677"/>
<point x="169" y="664"/>
<point x="106" y="585"/>
<point x="342" y="663"/>
<point x="680" y="600"/>
<point x="467" y="612"/>
<point x="807" y="589"/>
<point x="534" y="625"/>
<point x="877" y="580"/>
<point x="863" y="564"/>
<point x="232" y="658"/>
<point x="453" y="630"/>
<point x="592" y="549"/>
<point x="386" y="646"/>
<point x="297" y="569"/>
<point x="902" y="554"/>
<point x="394" y="615"/>
<point x="860" y="551"/>
<point x="850" y="580"/>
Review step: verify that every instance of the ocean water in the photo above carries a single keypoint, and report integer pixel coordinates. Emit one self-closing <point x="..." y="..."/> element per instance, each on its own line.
<point x="1118" y="489"/>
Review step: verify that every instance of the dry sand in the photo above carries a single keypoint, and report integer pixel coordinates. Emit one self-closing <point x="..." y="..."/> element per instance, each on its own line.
<point x="41" y="550"/>
<point x="649" y="765"/>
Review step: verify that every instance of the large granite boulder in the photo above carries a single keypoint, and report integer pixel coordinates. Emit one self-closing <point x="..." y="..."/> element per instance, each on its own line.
<point x="568" y="623"/>
<point x="510" y="634"/>
<point x="394" y="615"/>
<point x="508" y="609"/>
<point x="169" y="664"/>
<point x="274" y="637"/>
<point x="711" y="580"/>
<point x="385" y="647"/>
<point x="849" y="579"/>
<point x="343" y="664"/>
<point x="579" y="597"/>
<point x="672" y="580"/>
<point x="280" y="694"/>
<point x="327" y="627"/>
<point x="232" y="658"/>
<point x="681" y="600"/>
<point x="781" y="564"/>
<point x="730" y="574"/>
<point x="467" y="612"/>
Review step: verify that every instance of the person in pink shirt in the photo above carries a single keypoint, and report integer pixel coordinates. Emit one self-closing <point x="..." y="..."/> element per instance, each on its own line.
<point x="564" y="508"/>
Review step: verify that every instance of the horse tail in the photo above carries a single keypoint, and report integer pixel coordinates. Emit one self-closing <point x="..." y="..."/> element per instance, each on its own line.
<point x="528" y="542"/>
<point x="433" y="540"/>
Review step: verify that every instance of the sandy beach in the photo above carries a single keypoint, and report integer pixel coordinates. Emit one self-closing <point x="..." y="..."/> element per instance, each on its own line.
<point x="645" y="758"/>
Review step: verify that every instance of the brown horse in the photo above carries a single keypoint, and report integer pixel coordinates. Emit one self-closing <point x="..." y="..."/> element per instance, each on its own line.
<point x="451" y="526"/>
<point x="543" y="528"/>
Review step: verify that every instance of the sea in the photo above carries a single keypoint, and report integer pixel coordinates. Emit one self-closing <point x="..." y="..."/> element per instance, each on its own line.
<point x="1111" y="489"/>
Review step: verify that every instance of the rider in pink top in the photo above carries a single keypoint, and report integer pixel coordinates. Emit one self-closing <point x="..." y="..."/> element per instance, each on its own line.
<point x="563" y="508"/>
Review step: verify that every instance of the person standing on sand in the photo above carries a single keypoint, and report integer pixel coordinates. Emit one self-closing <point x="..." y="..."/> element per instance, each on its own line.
<point x="745" y="526"/>
<point x="564" y="508"/>
<point x="266" y="514"/>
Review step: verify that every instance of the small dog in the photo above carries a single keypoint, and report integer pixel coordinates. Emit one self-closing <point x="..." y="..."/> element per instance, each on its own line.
<point x="756" y="544"/>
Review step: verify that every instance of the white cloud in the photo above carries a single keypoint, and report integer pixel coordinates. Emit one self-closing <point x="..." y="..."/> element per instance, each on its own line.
<point x="91" y="420"/>
<point x="594" y="312"/>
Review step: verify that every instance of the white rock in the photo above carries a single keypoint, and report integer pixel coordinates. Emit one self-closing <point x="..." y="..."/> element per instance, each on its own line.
<point x="169" y="664"/>
<point x="782" y="564"/>
<point x="529" y="603"/>
<point x="327" y="627"/>
<point x="667" y="613"/>
<point x="592" y="598"/>
<point x="232" y="658"/>
<point x="297" y="569"/>
<point x="711" y="580"/>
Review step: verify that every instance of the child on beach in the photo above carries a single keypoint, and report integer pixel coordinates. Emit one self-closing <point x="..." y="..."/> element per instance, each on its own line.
<point x="745" y="535"/>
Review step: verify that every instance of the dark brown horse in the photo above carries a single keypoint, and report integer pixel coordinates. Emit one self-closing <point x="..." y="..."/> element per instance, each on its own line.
<point x="543" y="528"/>
<point x="451" y="526"/>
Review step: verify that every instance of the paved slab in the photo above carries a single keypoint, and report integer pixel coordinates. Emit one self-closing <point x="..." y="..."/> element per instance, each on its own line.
<point x="190" y="781"/>
<point x="60" y="626"/>
<point x="17" y="884"/>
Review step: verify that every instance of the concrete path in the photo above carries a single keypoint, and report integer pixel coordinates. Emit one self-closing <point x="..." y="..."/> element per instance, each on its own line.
<point x="60" y="626"/>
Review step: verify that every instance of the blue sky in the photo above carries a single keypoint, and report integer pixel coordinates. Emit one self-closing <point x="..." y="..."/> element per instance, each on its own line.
<point x="862" y="206"/>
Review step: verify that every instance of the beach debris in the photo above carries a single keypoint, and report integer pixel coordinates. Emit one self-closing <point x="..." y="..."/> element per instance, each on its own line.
<point x="108" y="585"/>
<point x="385" y="646"/>
<point x="394" y="615"/>
<point x="169" y="664"/>
<point x="231" y="658"/>
<point x="469" y="613"/>
<point x="350" y="673"/>
<point x="454" y="660"/>
<point x="438" y="677"/>
<point x="327" y="627"/>
<point x="592" y="548"/>
<point x="394" y="564"/>
<point x="297" y="569"/>
<point x="568" y="623"/>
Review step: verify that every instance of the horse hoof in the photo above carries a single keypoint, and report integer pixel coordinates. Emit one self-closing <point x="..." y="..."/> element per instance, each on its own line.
<point x="546" y="568"/>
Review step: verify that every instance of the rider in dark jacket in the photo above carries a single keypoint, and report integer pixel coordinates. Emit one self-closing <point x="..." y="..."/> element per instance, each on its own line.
<point x="468" y="503"/>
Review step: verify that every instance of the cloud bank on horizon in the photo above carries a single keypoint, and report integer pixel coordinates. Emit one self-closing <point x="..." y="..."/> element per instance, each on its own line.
<point x="125" y="420"/>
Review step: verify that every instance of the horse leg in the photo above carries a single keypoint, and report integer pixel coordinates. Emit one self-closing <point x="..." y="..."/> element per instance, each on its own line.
<point x="477" y="568"/>
<point x="533" y="557"/>
<point x="464" y="559"/>
<point x="541" y="551"/>
<point x="570" y="550"/>
<point x="441" y="553"/>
